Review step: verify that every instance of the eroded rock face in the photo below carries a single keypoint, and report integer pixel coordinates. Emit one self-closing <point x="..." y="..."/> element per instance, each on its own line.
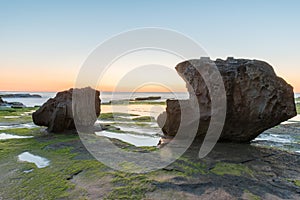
<point x="257" y="99"/>
<point x="1" y="101"/>
<point x="57" y="114"/>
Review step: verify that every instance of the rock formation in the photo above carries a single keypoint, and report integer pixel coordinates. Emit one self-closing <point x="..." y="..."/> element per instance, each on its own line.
<point x="257" y="99"/>
<point x="57" y="113"/>
<point x="20" y="96"/>
<point x="11" y="104"/>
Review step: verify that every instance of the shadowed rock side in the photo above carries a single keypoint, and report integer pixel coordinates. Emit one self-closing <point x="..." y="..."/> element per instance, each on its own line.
<point x="57" y="115"/>
<point x="257" y="99"/>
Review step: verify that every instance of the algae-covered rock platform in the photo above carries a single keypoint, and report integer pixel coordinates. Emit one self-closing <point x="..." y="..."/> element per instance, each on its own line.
<point x="230" y="171"/>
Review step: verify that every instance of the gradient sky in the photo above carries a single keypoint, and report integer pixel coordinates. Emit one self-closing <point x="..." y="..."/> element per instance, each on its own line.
<point x="44" y="43"/>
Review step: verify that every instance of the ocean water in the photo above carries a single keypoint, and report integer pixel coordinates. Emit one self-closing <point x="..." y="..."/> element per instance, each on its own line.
<point x="30" y="102"/>
<point x="105" y="96"/>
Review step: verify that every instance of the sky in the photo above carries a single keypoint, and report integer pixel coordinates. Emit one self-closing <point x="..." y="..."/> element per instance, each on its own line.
<point x="43" y="44"/>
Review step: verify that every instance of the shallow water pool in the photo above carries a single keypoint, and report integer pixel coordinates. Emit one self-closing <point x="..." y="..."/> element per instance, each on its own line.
<point x="39" y="161"/>
<point x="6" y="136"/>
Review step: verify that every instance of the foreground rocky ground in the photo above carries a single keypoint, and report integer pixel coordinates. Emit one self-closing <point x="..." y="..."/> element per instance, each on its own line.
<point x="230" y="171"/>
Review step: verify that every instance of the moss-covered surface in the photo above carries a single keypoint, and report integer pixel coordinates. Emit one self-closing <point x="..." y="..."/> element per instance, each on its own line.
<point x="298" y="108"/>
<point x="250" y="196"/>
<point x="74" y="174"/>
<point x="187" y="167"/>
<point x="125" y="117"/>
<point x="16" y="115"/>
<point x="130" y="186"/>
<point x="54" y="181"/>
<point x="115" y="115"/>
<point x="23" y="131"/>
<point x="143" y="119"/>
<point x="223" y="168"/>
<point x="295" y="181"/>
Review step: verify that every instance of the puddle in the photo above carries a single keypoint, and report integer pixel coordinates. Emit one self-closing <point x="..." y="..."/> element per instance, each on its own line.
<point x="11" y="117"/>
<point x="40" y="162"/>
<point x="274" y="138"/>
<point x="5" y="136"/>
<point x="26" y="125"/>
<point x="28" y="171"/>
<point x="139" y="109"/>
<point x="142" y="131"/>
<point x="284" y="138"/>
<point x="116" y="122"/>
<point x="295" y="119"/>
<point x="136" y="140"/>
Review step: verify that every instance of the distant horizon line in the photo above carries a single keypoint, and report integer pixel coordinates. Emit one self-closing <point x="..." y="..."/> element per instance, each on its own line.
<point x="100" y="91"/>
<point x="27" y="91"/>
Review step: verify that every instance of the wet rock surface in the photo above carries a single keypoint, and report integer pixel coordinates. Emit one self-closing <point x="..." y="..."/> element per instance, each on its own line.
<point x="57" y="113"/>
<point x="257" y="99"/>
<point x="230" y="171"/>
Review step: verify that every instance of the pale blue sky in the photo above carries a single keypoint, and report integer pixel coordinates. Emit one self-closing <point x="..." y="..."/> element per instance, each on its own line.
<point x="52" y="38"/>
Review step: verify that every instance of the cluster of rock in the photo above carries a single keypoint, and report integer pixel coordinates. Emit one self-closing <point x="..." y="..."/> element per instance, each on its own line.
<point x="125" y="101"/>
<point x="11" y="104"/>
<point x="257" y="99"/>
<point x="20" y="96"/>
<point x="151" y="98"/>
<point x="57" y="113"/>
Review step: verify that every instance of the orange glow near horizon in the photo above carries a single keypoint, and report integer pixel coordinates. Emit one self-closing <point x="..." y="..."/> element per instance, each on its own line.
<point x="48" y="86"/>
<point x="37" y="80"/>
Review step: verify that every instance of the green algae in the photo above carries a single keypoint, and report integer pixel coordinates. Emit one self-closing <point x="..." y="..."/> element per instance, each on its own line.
<point x="295" y="181"/>
<point x="223" y="168"/>
<point x="111" y="116"/>
<point x="130" y="186"/>
<point x="54" y="181"/>
<point x="16" y="115"/>
<point x="187" y="167"/>
<point x="51" y="182"/>
<point x="251" y="196"/>
<point x="23" y="131"/>
<point x="144" y="119"/>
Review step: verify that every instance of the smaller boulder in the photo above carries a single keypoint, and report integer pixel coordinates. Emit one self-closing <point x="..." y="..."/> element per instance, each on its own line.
<point x="57" y="113"/>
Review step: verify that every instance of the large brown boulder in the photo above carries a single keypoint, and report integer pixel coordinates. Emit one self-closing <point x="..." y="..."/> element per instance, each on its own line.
<point x="57" y="113"/>
<point x="257" y="99"/>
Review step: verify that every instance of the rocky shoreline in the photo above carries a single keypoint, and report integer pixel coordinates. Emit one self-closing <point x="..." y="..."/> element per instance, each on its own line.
<point x="25" y="95"/>
<point x="234" y="169"/>
<point x="11" y="104"/>
<point x="229" y="171"/>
